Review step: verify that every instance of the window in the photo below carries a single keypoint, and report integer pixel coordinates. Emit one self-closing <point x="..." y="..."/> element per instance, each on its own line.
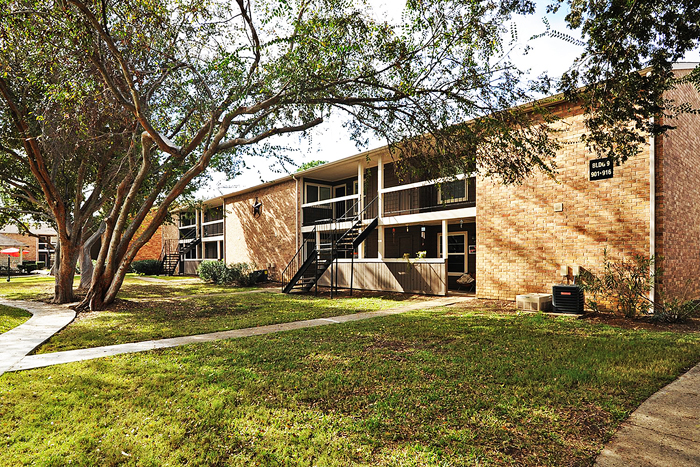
<point x="214" y="230"/>
<point x="453" y="192"/>
<point x="192" y="254"/>
<point x="211" y="250"/>
<point x="456" y="257"/>
<point x="214" y="214"/>
<point x="317" y="193"/>
<point x="188" y="218"/>
<point x="188" y="232"/>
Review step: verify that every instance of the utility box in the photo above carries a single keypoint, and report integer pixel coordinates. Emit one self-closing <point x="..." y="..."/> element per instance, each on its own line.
<point x="534" y="302"/>
<point x="567" y="299"/>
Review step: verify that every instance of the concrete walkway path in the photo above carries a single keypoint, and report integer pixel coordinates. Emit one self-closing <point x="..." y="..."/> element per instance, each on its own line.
<point x="663" y="431"/>
<point x="57" y="358"/>
<point x="46" y="321"/>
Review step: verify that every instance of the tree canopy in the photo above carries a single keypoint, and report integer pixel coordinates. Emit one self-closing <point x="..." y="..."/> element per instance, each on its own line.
<point x="627" y="66"/>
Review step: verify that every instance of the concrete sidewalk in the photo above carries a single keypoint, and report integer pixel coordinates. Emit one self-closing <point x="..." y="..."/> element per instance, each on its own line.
<point x="663" y="431"/>
<point x="46" y="321"/>
<point x="57" y="358"/>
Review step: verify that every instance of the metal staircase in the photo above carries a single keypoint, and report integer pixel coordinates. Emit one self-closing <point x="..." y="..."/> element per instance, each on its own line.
<point x="322" y="249"/>
<point x="173" y="251"/>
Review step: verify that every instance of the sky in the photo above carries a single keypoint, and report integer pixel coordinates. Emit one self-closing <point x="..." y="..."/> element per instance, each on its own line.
<point x="330" y="142"/>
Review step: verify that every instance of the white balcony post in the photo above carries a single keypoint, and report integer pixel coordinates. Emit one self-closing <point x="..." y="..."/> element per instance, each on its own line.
<point x="380" y="186"/>
<point x="300" y="201"/>
<point x="444" y="247"/>
<point x="444" y="239"/>
<point x="380" y="242"/>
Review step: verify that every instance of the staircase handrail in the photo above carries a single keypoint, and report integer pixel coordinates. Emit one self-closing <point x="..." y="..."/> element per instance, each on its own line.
<point x="357" y="219"/>
<point x="296" y="255"/>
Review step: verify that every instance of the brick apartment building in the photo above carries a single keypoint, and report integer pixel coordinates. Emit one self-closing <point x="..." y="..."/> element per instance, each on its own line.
<point x="422" y="236"/>
<point x="37" y="247"/>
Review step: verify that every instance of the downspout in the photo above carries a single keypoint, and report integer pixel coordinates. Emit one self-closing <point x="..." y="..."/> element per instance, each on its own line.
<point x="652" y="210"/>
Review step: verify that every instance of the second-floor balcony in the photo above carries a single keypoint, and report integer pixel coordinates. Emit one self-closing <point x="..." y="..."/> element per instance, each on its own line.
<point x="399" y="200"/>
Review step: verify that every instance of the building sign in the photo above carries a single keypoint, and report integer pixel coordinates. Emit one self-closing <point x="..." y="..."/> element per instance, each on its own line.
<point x="472" y="249"/>
<point x="600" y="169"/>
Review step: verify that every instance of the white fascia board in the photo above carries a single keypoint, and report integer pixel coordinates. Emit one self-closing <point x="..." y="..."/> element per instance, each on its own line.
<point x="428" y="216"/>
<point x="425" y="183"/>
<point x="393" y="260"/>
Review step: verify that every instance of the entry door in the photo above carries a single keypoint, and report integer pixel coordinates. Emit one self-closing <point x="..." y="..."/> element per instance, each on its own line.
<point x="456" y="253"/>
<point x="340" y="206"/>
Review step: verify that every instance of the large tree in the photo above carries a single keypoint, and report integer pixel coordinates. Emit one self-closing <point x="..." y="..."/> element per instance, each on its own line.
<point x="211" y="81"/>
<point x="627" y="66"/>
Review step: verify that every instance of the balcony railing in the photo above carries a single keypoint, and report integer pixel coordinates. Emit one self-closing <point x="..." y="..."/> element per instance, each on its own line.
<point x="214" y="230"/>
<point x="422" y="199"/>
<point x="339" y="209"/>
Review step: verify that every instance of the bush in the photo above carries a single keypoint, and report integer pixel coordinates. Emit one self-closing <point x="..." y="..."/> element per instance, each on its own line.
<point x="624" y="282"/>
<point x="213" y="271"/>
<point x="675" y="310"/>
<point x="219" y="273"/>
<point x="147" y="267"/>
<point x="242" y="274"/>
<point x="628" y="284"/>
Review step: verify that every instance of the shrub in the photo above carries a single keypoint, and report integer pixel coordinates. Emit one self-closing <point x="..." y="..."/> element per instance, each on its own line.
<point x="677" y="309"/>
<point x="213" y="271"/>
<point x="219" y="273"/>
<point x="242" y="274"/>
<point x="624" y="282"/>
<point x="628" y="283"/>
<point x="147" y="267"/>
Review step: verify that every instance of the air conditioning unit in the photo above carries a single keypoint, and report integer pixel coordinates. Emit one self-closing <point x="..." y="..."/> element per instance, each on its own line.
<point x="567" y="299"/>
<point x="534" y="302"/>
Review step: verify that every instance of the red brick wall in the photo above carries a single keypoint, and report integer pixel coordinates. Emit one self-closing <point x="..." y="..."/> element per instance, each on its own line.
<point x="678" y="200"/>
<point x="522" y="242"/>
<point x="267" y="239"/>
<point x="152" y="249"/>
<point x="26" y="240"/>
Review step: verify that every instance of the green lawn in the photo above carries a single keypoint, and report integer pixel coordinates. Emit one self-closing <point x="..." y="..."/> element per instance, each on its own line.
<point x="41" y="288"/>
<point x="32" y="287"/>
<point x="133" y="321"/>
<point x="12" y="317"/>
<point x="440" y="387"/>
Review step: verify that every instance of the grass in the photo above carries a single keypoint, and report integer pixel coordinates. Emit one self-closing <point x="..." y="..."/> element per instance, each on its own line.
<point x="12" y="317"/>
<point x="445" y="387"/>
<point x="41" y="288"/>
<point x="34" y="287"/>
<point x="133" y="321"/>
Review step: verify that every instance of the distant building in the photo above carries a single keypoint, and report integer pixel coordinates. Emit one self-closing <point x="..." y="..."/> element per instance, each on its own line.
<point x="39" y="246"/>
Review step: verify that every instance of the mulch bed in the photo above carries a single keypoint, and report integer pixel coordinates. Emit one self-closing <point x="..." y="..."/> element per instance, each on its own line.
<point x="643" y="322"/>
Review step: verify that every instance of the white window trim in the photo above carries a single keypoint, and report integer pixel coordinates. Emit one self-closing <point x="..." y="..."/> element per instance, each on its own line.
<point x="454" y="200"/>
<point x="465" y="254"/>
<point x="317" y="185"/>
<point x="213" y="222"/>
<point x="219" y="254"/>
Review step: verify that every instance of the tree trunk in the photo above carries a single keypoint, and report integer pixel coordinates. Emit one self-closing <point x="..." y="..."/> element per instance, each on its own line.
<point x="56" y="259"/>
<point x="86" y="268"/>
<point x="65" y="273"/>
<point x="94" y="300"/>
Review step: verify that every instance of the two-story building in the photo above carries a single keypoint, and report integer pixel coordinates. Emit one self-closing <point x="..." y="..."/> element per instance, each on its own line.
<point x="355" y="222"/>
